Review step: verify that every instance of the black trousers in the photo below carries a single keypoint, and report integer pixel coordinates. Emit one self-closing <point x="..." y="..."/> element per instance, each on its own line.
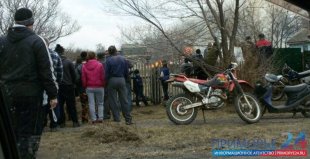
<point x="66" y="94"/>
<point x="140" y="95"/>
<point x="27" y="114"/>
<point x="165" y="90"/>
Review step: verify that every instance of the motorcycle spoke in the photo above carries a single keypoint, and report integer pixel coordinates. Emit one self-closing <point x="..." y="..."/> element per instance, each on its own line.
<point x="247" y="107"/>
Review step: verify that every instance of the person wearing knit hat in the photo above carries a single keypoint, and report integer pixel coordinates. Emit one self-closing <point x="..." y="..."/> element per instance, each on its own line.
<point x="24" y="16"/>
<point x="26" y="70"/>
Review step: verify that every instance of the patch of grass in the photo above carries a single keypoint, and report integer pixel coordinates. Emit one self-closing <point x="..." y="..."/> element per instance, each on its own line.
<point x="109" y="133"/>
<point x="154" y="136"/>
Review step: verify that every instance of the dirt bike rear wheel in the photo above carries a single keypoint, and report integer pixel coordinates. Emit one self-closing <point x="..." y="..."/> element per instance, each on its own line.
<point x="175" y="112"/>
<point x="248" y="113"/>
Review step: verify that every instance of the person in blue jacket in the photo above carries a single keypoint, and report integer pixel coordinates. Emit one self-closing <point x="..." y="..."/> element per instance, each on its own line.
<point x="164" y="76"/>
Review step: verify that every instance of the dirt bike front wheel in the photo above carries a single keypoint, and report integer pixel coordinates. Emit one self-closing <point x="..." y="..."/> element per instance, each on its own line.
<point x="175" y="111"/>
<point x="248" y="108"/>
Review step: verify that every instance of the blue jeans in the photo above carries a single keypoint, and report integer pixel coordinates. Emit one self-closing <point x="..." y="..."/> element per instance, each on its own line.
<point x="97" y="93"/>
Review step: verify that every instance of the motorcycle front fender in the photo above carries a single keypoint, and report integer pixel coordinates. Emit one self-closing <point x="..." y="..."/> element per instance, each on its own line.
<point x="244" y="85"/>
<point x="263" y="92"/>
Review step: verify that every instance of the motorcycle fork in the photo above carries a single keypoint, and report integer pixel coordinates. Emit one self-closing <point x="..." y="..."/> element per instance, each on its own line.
<point x="240" y="90"/>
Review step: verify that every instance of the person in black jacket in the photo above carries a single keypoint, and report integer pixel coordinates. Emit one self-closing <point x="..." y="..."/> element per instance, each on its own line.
<point x="66" y="92"/>
<point x="25" y="71"/>
<point x="138" y="88"/>
<point x="198" y="71"/>
<point x="187" y="68"/>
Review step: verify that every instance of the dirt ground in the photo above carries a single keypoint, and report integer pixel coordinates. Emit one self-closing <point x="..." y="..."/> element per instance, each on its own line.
<point x="154" y="136"/>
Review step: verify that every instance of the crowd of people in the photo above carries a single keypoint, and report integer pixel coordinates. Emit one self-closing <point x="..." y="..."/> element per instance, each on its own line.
<point x="37" y="82"/>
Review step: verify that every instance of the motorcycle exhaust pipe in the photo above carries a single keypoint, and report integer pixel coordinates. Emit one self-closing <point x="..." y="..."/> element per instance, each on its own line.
<point x="193" y="105"/>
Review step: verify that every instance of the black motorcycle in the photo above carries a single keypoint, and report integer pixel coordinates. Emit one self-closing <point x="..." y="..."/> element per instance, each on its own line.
<point x="298" y="97"/>
<point x="288" y="77"/>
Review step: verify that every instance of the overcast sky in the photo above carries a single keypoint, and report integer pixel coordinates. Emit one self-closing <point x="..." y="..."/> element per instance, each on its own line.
<point x="97" y="26"/>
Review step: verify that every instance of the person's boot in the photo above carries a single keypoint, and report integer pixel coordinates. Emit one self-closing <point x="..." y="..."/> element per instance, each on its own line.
<point x="129" y="122"/>
<point x="76" y="124"/>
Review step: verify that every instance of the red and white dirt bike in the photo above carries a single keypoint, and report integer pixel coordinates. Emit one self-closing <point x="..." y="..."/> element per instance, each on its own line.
<point x="210" y="95"/>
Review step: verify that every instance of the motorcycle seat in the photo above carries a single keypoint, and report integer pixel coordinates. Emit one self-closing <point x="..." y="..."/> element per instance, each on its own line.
<point x="197" y="81"/>
<point x="296" y="88"/>
<point x="273" y="78"/>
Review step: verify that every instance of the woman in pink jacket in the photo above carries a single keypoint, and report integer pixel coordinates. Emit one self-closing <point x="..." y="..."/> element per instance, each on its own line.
<point x="93" y="79"/>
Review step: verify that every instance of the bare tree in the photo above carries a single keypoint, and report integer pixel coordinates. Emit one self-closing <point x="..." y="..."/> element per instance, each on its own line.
<point x="188" y="34"/>
<point x="221" y="18"/>
<point x="50" y="22"/>
<point x="152" y="12"/>
<point x="251" y="21"/>
<point x="283" y="24"/>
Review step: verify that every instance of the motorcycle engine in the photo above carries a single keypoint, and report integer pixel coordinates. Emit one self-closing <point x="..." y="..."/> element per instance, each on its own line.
<point x="215" y="100"/>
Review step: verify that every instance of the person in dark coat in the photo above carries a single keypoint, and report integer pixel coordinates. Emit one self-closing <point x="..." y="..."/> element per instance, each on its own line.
<point x="25" y="71"/>
<point x="187" y="68"/>
<point x="116" y="73"/>
<point x="138" y="88"/>
<point x="198" y="71"/>
<point x="66" y="92"/>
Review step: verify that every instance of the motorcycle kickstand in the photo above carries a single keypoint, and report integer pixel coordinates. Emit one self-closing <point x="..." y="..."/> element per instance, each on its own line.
<point x="203" y="114"/>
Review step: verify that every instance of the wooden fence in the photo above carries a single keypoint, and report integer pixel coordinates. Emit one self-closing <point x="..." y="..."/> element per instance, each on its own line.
<point x="152" y="86"/>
